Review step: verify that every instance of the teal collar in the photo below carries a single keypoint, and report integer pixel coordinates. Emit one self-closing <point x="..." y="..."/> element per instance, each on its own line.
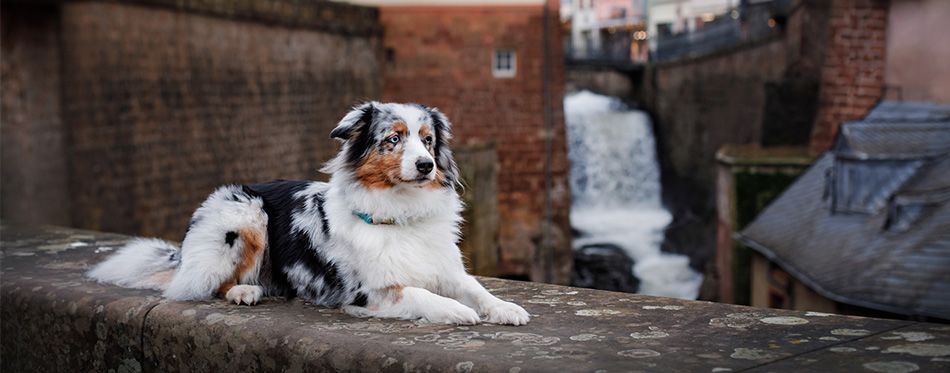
<point x="369" y="219"/>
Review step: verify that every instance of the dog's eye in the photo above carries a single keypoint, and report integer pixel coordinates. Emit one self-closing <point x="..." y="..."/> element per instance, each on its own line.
<point x="394" y="139"/>
<point x="429" y="140"/>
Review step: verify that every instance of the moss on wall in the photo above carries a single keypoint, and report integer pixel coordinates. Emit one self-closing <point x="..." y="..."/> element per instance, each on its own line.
<point x="754" y="191"/>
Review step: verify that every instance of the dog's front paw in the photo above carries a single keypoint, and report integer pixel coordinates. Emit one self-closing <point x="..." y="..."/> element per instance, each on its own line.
<point x="508" y="313"/>
<point x="357" y="311"/>
<point x="247" y="294"/>
<point x="451" y="312"/>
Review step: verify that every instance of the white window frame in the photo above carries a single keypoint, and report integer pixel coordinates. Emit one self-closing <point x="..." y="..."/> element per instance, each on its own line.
<point x="510" y="72"/>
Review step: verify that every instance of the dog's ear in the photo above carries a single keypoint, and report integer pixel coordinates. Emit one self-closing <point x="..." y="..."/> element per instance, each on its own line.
<point x="443" y="155"/>
<point x="357" y="119"/>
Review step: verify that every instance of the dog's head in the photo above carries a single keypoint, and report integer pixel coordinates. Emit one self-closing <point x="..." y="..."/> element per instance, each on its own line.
<point x="388" y="144"/>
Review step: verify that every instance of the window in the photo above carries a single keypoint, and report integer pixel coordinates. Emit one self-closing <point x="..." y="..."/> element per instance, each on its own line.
<point x="504" y="64"/>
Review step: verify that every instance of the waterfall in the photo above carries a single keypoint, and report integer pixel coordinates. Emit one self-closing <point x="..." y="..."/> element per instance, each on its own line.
<point x="615" y="185"/>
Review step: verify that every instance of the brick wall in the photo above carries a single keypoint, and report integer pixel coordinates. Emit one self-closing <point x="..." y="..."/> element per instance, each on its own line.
<point x="441" y="56"/>
<point x="852" y="76"/>
<point x="162" y="103"/>
<point x="34" y="165"/>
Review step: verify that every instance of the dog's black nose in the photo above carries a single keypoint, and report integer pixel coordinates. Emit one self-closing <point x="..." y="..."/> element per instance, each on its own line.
<point x="424" y="166"/>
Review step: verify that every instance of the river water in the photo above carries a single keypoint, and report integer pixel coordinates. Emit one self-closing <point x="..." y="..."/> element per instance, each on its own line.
<point x="615" y="186"/>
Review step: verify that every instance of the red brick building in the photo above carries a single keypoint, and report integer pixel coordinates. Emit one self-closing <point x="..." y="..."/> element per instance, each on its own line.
<point x="852" y="74"/>
<point x="880" y="49"/>
<point x="495" y="69"/>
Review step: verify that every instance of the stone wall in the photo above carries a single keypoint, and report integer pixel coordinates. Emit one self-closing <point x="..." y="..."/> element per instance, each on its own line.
<point x="749" y="178"/>
<point x="442" y="56"/>
<point x="911" y="39"/>
<point x="826" y="67"/>
<point x="762" y="92"/>
<point x="54" y="319"/>
<point x="161" y="103"/>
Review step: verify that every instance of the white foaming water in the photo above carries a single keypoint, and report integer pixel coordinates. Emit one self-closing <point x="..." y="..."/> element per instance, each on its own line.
<point x="615" y="184"/>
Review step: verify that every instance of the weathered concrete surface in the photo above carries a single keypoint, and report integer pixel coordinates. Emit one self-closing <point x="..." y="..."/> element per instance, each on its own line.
<point x="923" y="347"/>
<point x="52" y="318"/>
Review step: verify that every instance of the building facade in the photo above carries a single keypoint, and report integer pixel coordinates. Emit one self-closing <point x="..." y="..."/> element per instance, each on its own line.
<point x="606" y="29"/>
<point x="494" y="67"/>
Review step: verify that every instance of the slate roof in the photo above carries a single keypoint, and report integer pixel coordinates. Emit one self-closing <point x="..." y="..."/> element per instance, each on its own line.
<point x="869" y="223"/>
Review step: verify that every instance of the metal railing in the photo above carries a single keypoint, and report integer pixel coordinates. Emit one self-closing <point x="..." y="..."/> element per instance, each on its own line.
<point x="756" y="22"/>
<point x="711" y="37"/>
<point x="615" y="55"/>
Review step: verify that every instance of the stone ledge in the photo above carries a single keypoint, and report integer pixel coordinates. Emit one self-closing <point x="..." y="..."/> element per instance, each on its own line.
<point x="52" y="318"/>
<point x="754" y="155"/>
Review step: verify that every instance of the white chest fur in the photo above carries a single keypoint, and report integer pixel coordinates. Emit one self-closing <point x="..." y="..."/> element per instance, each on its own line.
<point x="410" y="255"/>
<point x="416" y="251"/>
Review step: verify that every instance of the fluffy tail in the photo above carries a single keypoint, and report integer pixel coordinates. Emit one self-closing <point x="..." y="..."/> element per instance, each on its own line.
<point x="224" y="246"/>
<point x="143" y="263"/>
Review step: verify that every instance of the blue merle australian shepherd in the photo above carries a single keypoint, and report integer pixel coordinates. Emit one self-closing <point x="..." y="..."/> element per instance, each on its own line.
<point x="378" y="240"/>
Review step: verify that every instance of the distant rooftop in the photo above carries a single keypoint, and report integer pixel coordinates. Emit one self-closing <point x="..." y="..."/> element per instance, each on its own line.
<point x="869" y="223"/>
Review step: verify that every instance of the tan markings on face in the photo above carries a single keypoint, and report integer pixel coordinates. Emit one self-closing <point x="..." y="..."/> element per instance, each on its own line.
<point x="396" y="291"/>
<point x="424" y="131"/>
<point x="380" y="169"/>
<point x="436" y="183"/>
<point x="399" y="128"/>
<point x="253" y="242"/>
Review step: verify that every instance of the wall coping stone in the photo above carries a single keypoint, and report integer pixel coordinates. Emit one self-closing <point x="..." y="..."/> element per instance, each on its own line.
<point x="51" y="317"/>
<point x="754" y="154"/>
<point x="723" y="52"/>
<point x="330" y="16"/>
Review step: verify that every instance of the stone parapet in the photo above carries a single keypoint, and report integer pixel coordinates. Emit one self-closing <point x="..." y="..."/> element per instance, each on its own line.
<point x="54" y="319"/>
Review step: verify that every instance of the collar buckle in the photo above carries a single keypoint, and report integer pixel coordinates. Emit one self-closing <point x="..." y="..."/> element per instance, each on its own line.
<point x="368" y="219"/>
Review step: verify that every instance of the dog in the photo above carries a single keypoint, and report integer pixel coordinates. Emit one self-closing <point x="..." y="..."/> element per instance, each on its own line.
<point x="378" y="240"/>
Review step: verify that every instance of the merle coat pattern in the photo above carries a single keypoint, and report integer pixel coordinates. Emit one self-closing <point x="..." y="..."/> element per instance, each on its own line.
<point x="379" y="239"/>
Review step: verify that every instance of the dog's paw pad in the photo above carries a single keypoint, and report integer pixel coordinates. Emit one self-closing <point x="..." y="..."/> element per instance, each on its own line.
<point x="506" y="313"/>
<point x="246" y="294"/>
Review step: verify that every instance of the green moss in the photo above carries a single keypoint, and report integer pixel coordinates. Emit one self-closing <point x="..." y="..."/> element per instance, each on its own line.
<point x="754" y="191"/>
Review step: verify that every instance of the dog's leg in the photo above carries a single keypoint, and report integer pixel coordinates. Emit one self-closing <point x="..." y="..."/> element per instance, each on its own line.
<point x="471" y="293"/>
<point x="223" y="249"/>
<point x="252" y="249"/>
<point x="410" y="303"/>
